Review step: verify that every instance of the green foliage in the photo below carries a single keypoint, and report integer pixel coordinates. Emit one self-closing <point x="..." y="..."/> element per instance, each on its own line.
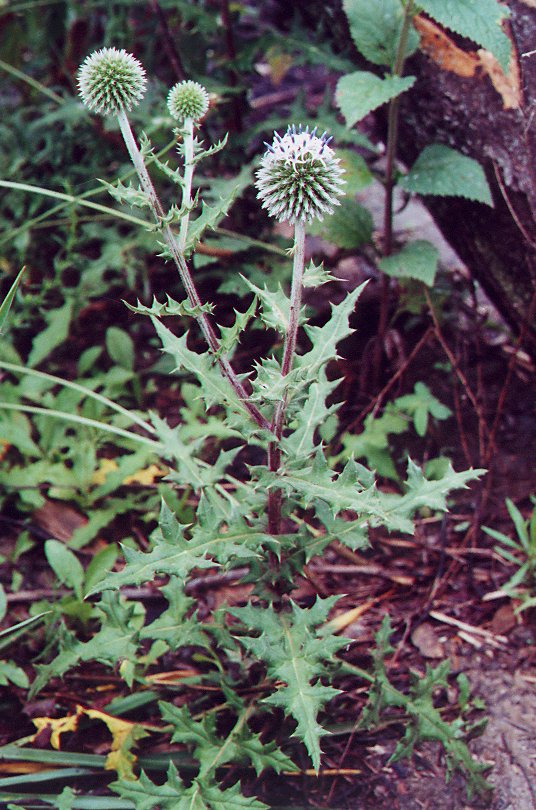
<point x="361" y="92"/>
<point x="294" y="652"/>
<point x="445" y="172"/>
<point x="376" y="28"/>
<point x="239" y="446"/>
<point x="373" y="442"/>
<point x="479" y="21"/>
<point x="416" y="260"/>
<point x="418" y="706"/>
<point x="521" y="552"/>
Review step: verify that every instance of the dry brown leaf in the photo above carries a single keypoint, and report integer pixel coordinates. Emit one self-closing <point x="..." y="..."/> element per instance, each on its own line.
<point x="441" y="49"/>
<point x="508" y="87"/>
<point x="58" y="519"/>
<point x="503" y="620"/>
<point x="425" y="639"/>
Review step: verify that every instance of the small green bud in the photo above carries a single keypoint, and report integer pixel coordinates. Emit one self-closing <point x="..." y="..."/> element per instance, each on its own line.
<point x="300" y="177"/>
<point x="188" y="100"/>
<point x="110" y="80"/>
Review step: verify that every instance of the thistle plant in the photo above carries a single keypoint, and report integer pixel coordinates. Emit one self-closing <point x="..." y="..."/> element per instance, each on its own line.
<point x="299" y="180"/>
<point x="112" y="82"/>
<point x="280" y="408"/>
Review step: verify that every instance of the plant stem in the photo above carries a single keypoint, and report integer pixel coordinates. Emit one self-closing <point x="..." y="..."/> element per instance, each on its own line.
<point x="184" y="272"/>
<point x="289" y="350"/>
<point x="188" y="135"/>
<point x="389" y="184"/>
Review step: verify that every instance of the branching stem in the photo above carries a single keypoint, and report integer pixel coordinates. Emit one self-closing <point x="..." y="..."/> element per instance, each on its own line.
<point x="177" y="255"/>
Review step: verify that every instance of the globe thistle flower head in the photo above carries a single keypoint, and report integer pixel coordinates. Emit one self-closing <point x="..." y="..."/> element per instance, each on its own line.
<point x="111" y="80"/>
<point x="300" y="177"/>
<point x="188" y="100"/>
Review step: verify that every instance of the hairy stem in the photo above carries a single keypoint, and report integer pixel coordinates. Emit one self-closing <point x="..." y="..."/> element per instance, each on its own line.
<point x="188" y="134"/>
<point x="289" y="350"/>
<point x="184" y="272"/>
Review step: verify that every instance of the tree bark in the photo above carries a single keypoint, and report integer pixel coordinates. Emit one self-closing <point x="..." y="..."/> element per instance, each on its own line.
<point x="491" y="118"/>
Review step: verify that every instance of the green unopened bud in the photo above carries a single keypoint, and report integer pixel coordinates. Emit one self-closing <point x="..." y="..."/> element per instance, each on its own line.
<point x="188" y="100"/>
<point x="110" y="80"/>
<point x="300" y="177"/>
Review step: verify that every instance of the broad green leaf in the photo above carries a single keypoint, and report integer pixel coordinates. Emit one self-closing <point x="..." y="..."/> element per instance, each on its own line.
<point x="479" y="20"/>
<point x="375" y="28"/>
<point x="65" y="565"/>
<point x="100" y="564"/>
<point x="416" y="260"/>
<point x="11" y="673"/>
<point x="360" y="93"/>
<point x="16" y="431"/>
<point x="5" y="306"/>
<point x="120" y="347"/>
<point x="349" y="226"/>
<point x="444" y="172"/>
<point x="57" y="329"/>
<point x="3" y="602"/>
<point x="357" y="174"/>
<point x="294" y="651"/>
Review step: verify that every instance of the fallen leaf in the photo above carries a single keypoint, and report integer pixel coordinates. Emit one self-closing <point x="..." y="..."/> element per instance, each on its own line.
<point x="503" y="620"/>
<point x="426" y="641"/>
<point x="441" y="49"/>
<point x="59" y="520"/>
<point x="508" y="87"/>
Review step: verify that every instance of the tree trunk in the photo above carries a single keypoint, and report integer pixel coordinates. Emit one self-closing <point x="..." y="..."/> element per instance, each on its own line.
<point x="463" y="100"/>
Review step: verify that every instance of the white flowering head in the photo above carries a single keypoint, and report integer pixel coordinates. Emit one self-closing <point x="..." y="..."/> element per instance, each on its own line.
<point x="300" y="177"/>
<point x="111" y="80"/>
<point x="188" y="100"/>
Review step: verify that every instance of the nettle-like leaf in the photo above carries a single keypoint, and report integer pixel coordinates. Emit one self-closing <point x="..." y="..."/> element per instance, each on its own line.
<point x="361" y="92"/>
<point x="417" y="260"/>
<point x="174" y="795"/>
<point x="376" y="27"/>
<point x="295" y="651"/>
<point x="444" y="172"/>
<point x="479" y="20"/>
<point x="174" y="555"/>
<point x="211" y="750"/>
<point x="349" y="226"/>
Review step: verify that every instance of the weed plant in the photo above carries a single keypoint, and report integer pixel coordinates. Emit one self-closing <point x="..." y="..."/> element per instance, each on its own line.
<point x="272" y="662"/>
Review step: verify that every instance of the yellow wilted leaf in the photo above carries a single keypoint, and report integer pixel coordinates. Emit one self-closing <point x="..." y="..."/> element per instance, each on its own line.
<point x="146" y="476"/>
<point x="125" y="734"/>
<point x="57" y="726"/>
<point x="106" y="466"/>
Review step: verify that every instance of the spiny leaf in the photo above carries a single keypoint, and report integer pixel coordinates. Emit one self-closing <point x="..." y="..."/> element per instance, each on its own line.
<point x="360" y="93"/>
<point x="444" y="172"/>
<point x="325" y="338"/>
<point x="294" y="651"/>
<point x="173" y="555"/>
<point x="173" y="795"/>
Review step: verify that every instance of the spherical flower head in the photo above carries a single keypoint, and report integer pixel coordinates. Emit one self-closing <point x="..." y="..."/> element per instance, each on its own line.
<point x="188" y="100"/>
<point x="111" y="80"/>
<point x="300" y="177"/>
